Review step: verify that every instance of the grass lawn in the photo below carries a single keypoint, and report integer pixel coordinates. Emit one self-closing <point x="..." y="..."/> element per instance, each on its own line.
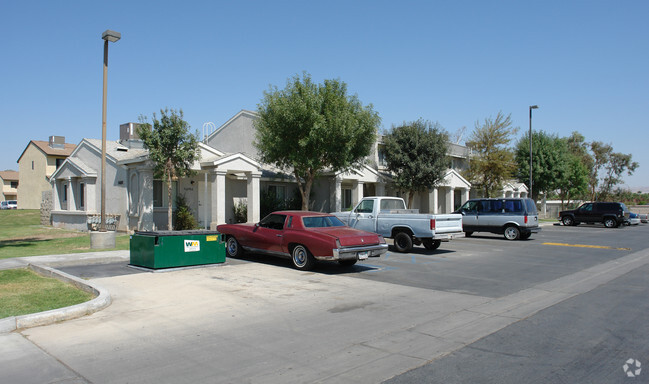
<point x="21" y="234"/>
<point x="23" y="291"/>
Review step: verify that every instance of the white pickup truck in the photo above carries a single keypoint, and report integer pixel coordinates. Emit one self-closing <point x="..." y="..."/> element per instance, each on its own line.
<point x="389" y="217"/>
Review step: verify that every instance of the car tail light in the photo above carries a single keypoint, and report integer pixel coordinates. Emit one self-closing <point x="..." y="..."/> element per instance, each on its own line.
<point x="432" y="224"/>
<point x="525" y="219"/>
<point x="338" y="245"/>
<point x="381" y="240"/>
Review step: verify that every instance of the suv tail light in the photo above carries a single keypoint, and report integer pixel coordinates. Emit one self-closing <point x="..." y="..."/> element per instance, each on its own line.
<point x="525" y="219"/>
<point x="432" y="224"/>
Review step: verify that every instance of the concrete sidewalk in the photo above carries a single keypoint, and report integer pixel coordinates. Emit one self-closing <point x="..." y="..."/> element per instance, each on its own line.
<point x="252" y="322"/>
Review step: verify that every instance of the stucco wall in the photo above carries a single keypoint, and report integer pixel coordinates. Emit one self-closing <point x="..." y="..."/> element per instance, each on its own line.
<point x="32" y="182"/>
<point x="237" y="136"/>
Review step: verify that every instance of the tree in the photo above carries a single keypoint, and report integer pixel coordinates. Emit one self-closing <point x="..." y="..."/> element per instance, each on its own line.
<point x="307" y="128"/>
<point x="617" y="164"/>
<point x="416" y="153"/>
<point x="172" y="148"/>
<point x="600" y="154"/>
<point x="549" y="161"/>
<point x="493" y="162"/>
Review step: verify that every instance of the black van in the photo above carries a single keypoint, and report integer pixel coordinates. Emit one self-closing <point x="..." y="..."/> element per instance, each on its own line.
<point x="608" y="213"/>
<point x="515" y="218"/>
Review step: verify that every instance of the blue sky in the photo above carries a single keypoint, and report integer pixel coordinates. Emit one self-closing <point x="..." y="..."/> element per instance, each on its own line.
<point x="585" y="63"/>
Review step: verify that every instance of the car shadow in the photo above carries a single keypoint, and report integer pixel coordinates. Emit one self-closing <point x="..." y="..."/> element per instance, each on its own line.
<point x="325" y="267"/>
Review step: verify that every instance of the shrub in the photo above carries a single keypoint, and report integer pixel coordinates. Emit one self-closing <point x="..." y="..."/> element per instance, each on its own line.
<point x="183" y="217"/>
<point x="240" y="212"/>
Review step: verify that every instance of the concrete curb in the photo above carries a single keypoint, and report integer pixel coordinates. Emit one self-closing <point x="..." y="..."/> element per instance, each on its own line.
<point x="100" y="302"/>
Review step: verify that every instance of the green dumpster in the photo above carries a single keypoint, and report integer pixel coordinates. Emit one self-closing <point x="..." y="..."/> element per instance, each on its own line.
<point x="171" y="249"/>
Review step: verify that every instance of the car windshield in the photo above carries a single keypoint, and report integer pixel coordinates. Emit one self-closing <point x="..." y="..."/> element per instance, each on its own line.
<point x="322" y="221"/>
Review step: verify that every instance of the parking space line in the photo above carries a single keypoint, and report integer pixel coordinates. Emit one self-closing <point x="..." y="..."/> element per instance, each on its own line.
<point x="588" y="246"/>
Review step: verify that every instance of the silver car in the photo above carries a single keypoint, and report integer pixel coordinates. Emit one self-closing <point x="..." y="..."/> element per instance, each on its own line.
<point x="515" y="218"/>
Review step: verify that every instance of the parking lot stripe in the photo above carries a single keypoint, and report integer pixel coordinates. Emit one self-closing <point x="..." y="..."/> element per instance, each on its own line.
<point x="588" y="246"/>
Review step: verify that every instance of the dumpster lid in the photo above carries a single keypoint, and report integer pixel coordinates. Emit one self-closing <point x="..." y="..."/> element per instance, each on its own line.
<point x="177" y="233"/>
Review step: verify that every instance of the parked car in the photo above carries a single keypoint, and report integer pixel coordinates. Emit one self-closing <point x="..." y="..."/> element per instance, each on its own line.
<point x="644" y="218"/>
<point x="389" y="217"/>
<point x="304" y="237"/>
<point x="634" y="219"/>
<point x="611" y="214"/>
<point x="515" y="218"/>
<point x="9" y="204"/>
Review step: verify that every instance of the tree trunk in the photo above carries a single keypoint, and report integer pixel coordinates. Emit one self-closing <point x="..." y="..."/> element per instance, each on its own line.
<point x="411" y="195"/>
<point x="169" y="203"/>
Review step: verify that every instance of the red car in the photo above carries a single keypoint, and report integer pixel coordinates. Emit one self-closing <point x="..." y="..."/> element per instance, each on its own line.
<point x="304" y="237"/>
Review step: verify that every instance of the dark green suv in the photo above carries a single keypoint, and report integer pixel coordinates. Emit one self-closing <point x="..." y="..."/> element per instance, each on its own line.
<point x="610" y="214"/>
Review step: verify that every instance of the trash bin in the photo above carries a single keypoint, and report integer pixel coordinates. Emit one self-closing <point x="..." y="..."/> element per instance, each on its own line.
<point x="170" y="249"/>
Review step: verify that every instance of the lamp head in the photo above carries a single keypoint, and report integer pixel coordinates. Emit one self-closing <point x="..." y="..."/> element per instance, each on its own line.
<point x="534" y="107"/>
<point x="111" y="36"/>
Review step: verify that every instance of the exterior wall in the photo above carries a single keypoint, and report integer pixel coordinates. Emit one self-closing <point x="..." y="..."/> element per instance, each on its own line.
<point x="8" y="193"/>
<point x="237" y="135"/>
<point x="33" y="182"/>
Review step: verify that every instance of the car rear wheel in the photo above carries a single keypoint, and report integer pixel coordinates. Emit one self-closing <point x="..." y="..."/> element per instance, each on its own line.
<point x="568" y="221"/>
<point x="512" y="233"/>
<point x="232" y="247"/>
<point x="347" y="263"/>
<point x="610" y="222"/>
<point x="431" y="244"/>
<point x="403" y="242"/>
<point x="302" y="258"/>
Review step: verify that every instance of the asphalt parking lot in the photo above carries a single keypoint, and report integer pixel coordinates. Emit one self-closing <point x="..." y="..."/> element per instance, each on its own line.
<point x="257" y="320"/>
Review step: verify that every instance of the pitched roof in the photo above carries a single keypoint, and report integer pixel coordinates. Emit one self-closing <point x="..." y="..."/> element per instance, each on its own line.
<point x="44" y="146"/>
<point x="9" y="175"/>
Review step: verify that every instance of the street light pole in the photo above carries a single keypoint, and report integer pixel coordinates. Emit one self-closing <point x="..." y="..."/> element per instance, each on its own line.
<point x="531" y="107"/>
<point x="107" y="36"/>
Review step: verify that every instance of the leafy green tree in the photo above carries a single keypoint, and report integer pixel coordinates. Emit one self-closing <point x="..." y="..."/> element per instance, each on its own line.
<point x="416" y="153"/>
<point x="307" y="128"/>
<point x="172" y="148"/>
<point x="617" y="164"/>
<point x="493" y="162"/>
<point x="600" y="154"/>
<point x="549" y="161"/>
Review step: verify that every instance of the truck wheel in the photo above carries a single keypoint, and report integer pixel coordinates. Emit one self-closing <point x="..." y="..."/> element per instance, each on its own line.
<point x="403" y="242"/>
<point x="610" y="222"/>
<point x="468" y="234"/>
<point x="567" y="221"/>
<point x="232" y="247"/>
<point x="512" y="233"/>
<point x="302" y="258"/>
<point x="431" y="244"/>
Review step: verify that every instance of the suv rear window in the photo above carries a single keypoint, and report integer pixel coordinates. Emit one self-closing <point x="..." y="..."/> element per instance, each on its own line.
<point x="515" y="206"/>
<point x="531" y="207"/>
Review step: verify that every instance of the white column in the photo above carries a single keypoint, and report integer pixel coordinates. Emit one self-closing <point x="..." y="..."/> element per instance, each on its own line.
<point x="357" y="192"/>
<point x="72" y="206"/>
<point x="465" y="195"/>
<point x="253" y="197"/>
<point x="450" y="200"/>
<point x="55" y="196"/>
<point x="335" y="202"/>
<point x="145" y="200"/>
<point x="218" y="199"/>
<point x="380" y="189"/>
<point x="432" y="201"/>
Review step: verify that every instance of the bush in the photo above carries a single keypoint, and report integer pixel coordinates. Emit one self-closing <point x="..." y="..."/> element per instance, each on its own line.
<point x="183" y="217"/>
<point x="240" y="212"/>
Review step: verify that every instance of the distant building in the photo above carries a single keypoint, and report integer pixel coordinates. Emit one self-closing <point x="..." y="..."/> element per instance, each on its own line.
<point x="36" y="164"/>
<point x="9" y="183"/>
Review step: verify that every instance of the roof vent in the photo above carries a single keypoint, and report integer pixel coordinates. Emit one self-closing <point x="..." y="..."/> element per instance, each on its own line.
<point x="57" y="142"/>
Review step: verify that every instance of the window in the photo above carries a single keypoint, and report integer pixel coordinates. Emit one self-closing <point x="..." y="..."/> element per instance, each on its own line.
<point x="382" y="161"/>
<point x="160" y="195"/>
<point x="32" y="165"/>
<point x="14" y="184"/>
<point x="279" y="191"/>
<point x="59" y="162"/>
<point x="513" y="206"/>
<point x="65" y="192"/>
<point x="366" y="206"/>
<point x="273" y="221"/>
<point x="347" y="198"/>
<point x="82" y="194"/>
<point x="322" y="222"/>
<point x="388" y="204"/>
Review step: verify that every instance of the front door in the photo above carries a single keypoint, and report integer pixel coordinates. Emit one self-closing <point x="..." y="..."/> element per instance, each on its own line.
<point x="363" y="218"/>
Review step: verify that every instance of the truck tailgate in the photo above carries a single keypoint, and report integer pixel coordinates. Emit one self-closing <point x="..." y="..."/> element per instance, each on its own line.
<point x="448" y="223"/>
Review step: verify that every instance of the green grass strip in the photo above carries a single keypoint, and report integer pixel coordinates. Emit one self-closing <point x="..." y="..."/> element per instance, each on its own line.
<point x="23" y="291"/>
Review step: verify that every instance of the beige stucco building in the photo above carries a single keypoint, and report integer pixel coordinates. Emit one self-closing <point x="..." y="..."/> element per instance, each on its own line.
<point x="36" y="164"/>
<point x="9" y="183"/>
